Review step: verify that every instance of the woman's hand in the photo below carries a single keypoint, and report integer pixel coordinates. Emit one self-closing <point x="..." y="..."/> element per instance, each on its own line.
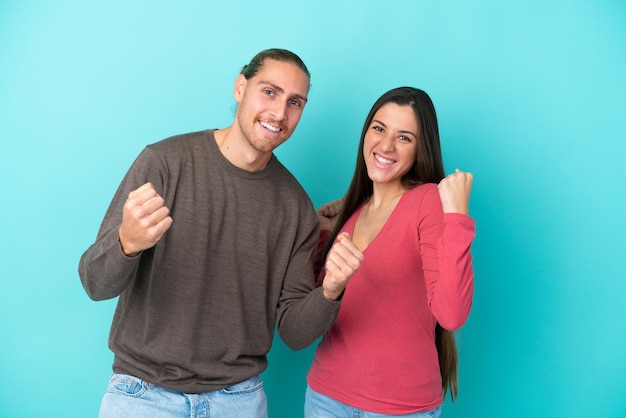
<point x="343" y="259"/>
<point x="455" y="190"/>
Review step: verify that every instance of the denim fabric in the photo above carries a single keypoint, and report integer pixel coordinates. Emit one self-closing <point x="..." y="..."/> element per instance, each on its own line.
<point x="317" y="405"/>
<point x="128" y="396"/>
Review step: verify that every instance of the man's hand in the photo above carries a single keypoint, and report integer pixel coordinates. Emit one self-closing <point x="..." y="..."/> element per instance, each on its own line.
<point x="329" y="213"/>
<point x="455" y="190"/>
<point x="144" y="220"/>
<point x="343" y="259"/>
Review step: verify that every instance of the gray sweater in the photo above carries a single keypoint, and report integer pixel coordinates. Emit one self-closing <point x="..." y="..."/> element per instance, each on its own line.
<point x="197" y="312"/>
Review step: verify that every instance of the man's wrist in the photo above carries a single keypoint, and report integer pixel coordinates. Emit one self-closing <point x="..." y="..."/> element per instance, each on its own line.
<point x="334" y="296"/>
<point x="127" y="251"/>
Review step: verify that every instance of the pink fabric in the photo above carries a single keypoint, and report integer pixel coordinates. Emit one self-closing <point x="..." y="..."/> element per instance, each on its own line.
<point x="380" y="354"/>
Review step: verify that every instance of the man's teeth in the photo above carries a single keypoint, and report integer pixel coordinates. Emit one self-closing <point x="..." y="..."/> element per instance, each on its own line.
<point x="270" y="127"/>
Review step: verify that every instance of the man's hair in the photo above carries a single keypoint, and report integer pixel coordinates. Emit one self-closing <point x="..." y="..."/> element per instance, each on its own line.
<point x="255" y="65"/>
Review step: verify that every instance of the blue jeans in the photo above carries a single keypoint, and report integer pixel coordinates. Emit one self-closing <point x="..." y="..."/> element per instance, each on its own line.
<point x="317" y="405"/>
<point x="128" y="396"/>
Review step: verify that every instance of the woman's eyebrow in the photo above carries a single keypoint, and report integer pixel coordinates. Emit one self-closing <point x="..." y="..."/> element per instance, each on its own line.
<point x="404" y="131"/>
<point x="379" y="122"/>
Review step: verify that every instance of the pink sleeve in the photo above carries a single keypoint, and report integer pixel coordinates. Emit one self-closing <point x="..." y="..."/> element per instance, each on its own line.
<point x="449" y="281"/>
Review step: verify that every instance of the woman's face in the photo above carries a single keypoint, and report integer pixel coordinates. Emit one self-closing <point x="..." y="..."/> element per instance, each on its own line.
<point x="390" y="143"/>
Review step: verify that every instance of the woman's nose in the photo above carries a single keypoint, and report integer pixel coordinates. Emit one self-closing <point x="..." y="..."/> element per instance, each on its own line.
<point x="387" y="143"/>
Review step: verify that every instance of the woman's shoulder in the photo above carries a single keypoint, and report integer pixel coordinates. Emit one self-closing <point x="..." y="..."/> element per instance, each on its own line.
<point x="425" y="196"/>
<point x="422" y="190"/>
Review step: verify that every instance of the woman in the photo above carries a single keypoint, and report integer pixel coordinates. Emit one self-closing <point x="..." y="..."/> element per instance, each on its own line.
<point x="391" y="350"/>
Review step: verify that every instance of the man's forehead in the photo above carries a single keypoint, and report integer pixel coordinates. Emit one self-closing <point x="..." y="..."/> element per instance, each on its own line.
<point x="283" y="74"/>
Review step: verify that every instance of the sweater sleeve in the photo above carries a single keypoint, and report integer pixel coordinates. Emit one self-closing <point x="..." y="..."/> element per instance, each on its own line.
<point x="450" y="286"/>
<point x="318" y="260"/>
<point x="104" y="270"/>
<point x="304" y="314"/>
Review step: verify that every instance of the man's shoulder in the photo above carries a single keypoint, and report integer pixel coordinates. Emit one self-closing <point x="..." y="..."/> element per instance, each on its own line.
<point x="179" y="141"/>
<point x="288" y="177"/>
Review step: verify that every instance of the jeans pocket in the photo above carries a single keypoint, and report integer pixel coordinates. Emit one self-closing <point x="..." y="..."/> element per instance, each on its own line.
<point x="251" y="385"/>
<point x="435" y="413"/>
<point x="126" y="385"/>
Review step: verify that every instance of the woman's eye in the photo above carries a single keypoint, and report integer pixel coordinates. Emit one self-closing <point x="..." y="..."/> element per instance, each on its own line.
<point x="404" y="138"/>
<point x="378" y="128"/>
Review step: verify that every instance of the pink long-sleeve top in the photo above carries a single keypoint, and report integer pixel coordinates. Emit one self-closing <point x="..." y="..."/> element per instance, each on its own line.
<point x="380" y="354"/>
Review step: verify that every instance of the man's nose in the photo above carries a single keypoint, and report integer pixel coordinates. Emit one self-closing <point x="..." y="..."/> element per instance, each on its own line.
<point x="279" y="110"/>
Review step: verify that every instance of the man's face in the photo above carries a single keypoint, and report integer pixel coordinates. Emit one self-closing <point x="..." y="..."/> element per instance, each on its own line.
<point x="271" y="103"/>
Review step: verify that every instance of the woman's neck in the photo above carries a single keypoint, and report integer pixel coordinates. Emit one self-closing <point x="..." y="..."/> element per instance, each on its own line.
<point x="385" y="194"/>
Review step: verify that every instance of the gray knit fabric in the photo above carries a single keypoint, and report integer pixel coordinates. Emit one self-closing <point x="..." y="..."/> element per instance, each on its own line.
<point x="197" y="312"/>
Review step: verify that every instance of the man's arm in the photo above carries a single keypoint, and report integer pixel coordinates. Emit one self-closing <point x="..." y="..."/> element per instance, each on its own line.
<point x="135" y="221"/>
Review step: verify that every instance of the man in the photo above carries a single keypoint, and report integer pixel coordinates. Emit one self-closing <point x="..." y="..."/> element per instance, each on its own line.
<point x="208" y="244"/>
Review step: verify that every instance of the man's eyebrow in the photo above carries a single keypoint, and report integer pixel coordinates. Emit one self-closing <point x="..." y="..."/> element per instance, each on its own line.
<point x="281" y="90"/>
<point x="274" y="86"/>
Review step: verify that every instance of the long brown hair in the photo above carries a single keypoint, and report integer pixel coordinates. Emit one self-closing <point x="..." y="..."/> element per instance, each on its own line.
<point x="427" y="168"/>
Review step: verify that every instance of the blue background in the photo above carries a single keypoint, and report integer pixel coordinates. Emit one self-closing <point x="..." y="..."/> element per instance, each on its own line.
<point x="531" y="98"/>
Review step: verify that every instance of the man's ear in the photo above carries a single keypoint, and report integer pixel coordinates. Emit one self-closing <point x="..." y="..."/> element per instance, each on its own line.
<point x="240" y="87"/>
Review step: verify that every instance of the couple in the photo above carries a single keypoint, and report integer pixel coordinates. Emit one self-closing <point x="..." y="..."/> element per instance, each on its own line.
<point x="209" y="243"/>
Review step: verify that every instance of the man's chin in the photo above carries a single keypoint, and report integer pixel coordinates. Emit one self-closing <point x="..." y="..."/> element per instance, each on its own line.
<point x="269" y="145"/>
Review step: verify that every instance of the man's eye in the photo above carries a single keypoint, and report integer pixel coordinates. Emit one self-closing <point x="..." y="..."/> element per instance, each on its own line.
<point x="268" y="92"/>
<point x="295" y="103"/>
